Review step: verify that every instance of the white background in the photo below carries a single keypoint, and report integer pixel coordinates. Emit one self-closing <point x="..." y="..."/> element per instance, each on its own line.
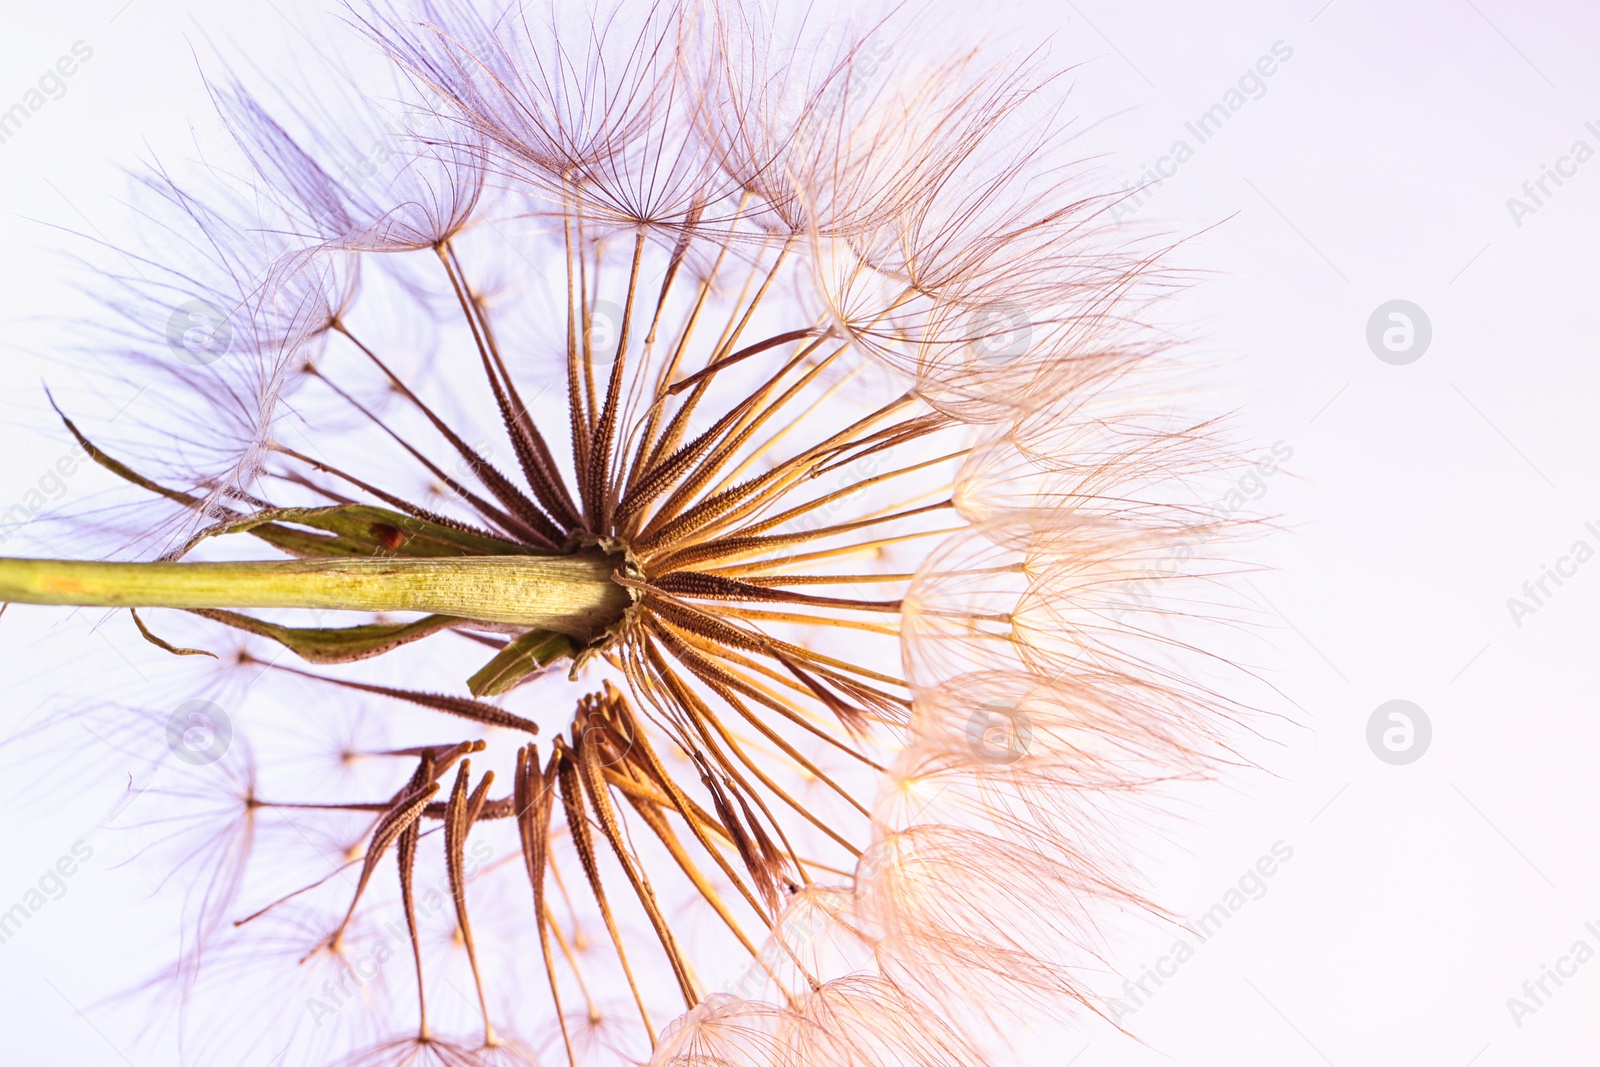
<point x="1376" y="166"/>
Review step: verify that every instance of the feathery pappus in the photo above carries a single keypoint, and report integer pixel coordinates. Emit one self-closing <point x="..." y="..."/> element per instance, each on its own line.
<point x="761" y="400"/>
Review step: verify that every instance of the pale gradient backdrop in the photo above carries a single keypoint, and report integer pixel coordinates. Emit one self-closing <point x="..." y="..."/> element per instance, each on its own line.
<point x="1375" y="162"/>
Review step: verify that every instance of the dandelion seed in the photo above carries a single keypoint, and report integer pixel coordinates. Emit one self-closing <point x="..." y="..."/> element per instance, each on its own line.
<point x="783" y="399"/>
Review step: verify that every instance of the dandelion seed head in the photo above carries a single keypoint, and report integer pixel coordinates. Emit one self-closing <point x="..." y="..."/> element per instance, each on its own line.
<point x="814" y="351"/>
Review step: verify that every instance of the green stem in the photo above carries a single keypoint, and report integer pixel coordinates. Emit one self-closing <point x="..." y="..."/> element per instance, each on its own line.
<point x="570" y="594"/>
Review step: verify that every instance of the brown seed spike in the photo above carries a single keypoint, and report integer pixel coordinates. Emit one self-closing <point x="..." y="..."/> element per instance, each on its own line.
<point x="459" y="814"/>
<point x="405" y="810"/>
<point x="533" y="793"/>
<point x="578" y="828"/>
<point x="406" y="860"/>
<point x="475" y="710"/>
<point x="754" y="857"/>
<point x="611" y="826"/>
